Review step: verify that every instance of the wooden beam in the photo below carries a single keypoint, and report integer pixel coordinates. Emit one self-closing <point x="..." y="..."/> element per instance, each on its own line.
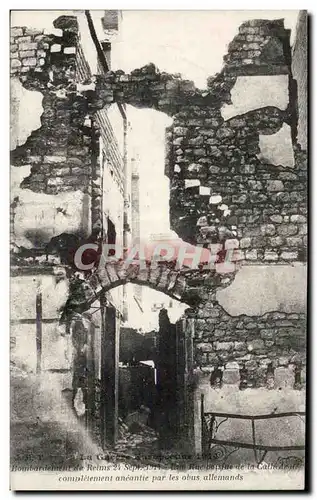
<point x="33" y="321"/>
<point x="110" y="376"/>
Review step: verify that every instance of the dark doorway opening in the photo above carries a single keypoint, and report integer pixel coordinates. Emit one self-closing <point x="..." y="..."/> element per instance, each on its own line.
<point x="135" y="389"/>
<point x="111" y="235"/>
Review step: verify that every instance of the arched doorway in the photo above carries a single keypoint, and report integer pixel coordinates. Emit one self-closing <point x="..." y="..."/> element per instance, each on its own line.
<point x="130" y="380"/>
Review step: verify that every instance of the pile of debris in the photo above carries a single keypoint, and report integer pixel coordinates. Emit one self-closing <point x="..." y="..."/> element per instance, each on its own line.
<point x="136" y="438"/>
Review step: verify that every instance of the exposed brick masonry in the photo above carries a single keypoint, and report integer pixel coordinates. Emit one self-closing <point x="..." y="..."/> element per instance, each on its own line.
<point x="59" y="151"/>
<point x="267" y="204"/>
<point x="220" y="190"/>
<point x="259" y="345"/>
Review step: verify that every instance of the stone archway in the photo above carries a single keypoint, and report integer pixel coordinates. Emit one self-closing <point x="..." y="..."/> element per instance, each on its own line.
<point x="191" y="286"/>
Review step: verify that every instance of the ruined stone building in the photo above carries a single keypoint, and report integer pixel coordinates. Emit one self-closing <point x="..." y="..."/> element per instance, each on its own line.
<point x="236" y="157"/>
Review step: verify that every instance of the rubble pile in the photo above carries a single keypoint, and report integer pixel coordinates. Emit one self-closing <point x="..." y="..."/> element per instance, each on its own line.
<point x="137" y="439"/>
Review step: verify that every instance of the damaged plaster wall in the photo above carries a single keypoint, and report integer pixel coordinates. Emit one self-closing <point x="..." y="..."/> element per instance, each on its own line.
<point x="257" y="290"/>
<point x="254" y="92"/>
<point x="277" y="149"/>
<point x="25" y="112"/>
<point x="37" y="217"/>
<point x="54" y="291"/>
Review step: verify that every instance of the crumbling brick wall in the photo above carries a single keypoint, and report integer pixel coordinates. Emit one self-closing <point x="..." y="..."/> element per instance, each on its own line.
<point x="258" y="345"/>
<point x="59" y="151"/>
<point x="221" y="187"/>
<point x="263" y="205"/>
<point x="218" y="184"/>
